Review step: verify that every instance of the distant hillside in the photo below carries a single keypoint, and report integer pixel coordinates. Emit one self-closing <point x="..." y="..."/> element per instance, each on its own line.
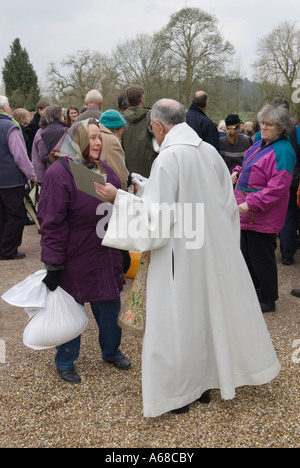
<point x="239" y="96"/>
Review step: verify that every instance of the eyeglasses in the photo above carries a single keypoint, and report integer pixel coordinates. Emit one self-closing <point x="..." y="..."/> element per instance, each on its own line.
<point x="150" y="126"/>
<point x="94" y="122"/>
<point x="267" y="124"/>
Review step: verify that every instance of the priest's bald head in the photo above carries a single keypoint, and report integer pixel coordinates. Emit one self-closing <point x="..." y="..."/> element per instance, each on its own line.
<point x="165" y="114"/>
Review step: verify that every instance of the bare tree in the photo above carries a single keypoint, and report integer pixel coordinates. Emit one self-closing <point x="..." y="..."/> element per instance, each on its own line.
<point x="278" y="63"/>
<point x="139" y="61"/>
<point x="195" y="48"/>
<point x="75" y="75"/>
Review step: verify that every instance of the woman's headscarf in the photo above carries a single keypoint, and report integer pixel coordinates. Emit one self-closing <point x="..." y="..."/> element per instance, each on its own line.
<point x="75" y="145"/>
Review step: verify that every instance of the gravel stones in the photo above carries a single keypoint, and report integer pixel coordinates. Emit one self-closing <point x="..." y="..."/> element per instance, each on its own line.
<point x="39" y="410"/>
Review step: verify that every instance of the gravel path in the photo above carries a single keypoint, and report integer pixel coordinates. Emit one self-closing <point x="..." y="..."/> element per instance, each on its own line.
<point x="37" y="409"/>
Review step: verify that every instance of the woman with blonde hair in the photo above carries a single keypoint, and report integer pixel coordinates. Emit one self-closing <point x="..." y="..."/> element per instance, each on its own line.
<point x="234" y="144"/>
<point x="22" y="117"/>
<point x="248" y="129"/>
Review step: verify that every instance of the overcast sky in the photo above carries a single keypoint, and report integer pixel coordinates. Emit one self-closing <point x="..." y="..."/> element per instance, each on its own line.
<point x="51" y="30"/>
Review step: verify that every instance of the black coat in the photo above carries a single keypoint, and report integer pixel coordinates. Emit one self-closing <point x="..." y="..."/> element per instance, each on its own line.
<point x="33" y="127"/>
<point x="203" y="126"/>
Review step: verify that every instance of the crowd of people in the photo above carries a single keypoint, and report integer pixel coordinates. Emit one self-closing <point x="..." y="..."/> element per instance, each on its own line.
<point x="198" y="336"/>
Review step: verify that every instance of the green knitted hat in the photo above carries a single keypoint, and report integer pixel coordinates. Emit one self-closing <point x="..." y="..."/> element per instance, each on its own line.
<point x="112" y="119"/>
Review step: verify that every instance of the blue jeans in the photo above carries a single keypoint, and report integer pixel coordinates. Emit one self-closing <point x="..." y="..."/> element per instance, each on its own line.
<point x="106" y="315"/>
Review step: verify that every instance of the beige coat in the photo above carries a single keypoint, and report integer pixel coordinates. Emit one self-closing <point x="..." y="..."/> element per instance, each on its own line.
<point x="113" y="155"/>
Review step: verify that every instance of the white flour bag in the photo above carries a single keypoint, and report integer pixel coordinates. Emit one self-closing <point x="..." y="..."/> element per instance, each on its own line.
<point x="31" y="292"/>
<point x="61" y="320"/>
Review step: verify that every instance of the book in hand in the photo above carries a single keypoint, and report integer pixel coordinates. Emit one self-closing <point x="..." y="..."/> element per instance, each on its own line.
<point x="85" y="178"/>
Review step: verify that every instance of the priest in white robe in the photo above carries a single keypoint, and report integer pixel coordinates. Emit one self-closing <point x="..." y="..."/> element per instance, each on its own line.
<point x="204" y="326"/>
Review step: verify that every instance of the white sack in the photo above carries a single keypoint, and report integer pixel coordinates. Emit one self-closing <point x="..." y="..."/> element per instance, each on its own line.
<point x="31" y="292"/>
<point x="31" y="311"/>
<point x="61" y="320"/>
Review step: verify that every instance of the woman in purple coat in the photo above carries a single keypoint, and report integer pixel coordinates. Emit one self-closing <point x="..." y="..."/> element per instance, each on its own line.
<point x="72" y="251"/>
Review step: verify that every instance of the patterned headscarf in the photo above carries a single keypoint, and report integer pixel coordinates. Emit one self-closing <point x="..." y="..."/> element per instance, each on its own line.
<point x="75" y="145"/>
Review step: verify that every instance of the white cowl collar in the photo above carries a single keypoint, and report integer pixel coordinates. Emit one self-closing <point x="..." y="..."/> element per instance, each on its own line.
<point x="181" y="134"/>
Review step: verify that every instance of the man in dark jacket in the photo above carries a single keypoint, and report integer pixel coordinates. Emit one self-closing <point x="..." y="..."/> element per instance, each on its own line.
<point x="288" y="235"/>
<point x="137" y="138"/>
<point x="198" y="120"/>
<point x="34" y="125"/>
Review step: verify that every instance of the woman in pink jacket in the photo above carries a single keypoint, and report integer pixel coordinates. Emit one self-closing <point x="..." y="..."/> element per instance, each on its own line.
<point x="262" y="193"/>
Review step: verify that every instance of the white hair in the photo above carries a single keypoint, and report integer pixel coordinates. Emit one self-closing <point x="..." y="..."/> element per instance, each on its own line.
<point x="3" y="102"/>
<point x="279" y="115"/>
<point x="168" y="112"/>
<point x="93" y="96"/>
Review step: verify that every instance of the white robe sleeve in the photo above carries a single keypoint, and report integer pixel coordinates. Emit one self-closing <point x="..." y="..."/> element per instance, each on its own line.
<point x="142" y="224"/>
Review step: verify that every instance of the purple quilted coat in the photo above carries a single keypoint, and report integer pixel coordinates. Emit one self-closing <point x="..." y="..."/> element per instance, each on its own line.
<point x="68" y="228"/>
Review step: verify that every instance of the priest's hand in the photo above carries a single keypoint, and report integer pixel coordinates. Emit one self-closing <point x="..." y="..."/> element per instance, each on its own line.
<point x="107" y="192"/>
<point x="141" y="183"/>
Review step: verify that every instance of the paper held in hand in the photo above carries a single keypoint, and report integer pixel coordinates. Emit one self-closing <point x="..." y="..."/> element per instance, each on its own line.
<point x="85" y="178"/>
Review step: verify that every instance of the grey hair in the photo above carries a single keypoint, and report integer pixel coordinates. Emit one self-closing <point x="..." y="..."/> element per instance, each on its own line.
<point x="3" y="102"/>
<point x="168" y="112"/>
<point x="93" y="96"/>
<point x="53" y="113"/>
<point x="279" y="115"/>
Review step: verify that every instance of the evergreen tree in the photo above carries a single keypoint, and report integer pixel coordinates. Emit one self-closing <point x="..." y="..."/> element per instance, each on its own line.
<point x="21" y="81"/>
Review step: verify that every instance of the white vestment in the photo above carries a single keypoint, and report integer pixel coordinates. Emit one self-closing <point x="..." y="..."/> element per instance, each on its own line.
<point x="204" y="326"/>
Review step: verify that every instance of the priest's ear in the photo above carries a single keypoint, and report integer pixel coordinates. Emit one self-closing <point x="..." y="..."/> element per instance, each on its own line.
<point x="160" y="131"/>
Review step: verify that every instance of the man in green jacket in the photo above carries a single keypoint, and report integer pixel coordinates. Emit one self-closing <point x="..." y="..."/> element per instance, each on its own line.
<point x="138" y="136"/>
